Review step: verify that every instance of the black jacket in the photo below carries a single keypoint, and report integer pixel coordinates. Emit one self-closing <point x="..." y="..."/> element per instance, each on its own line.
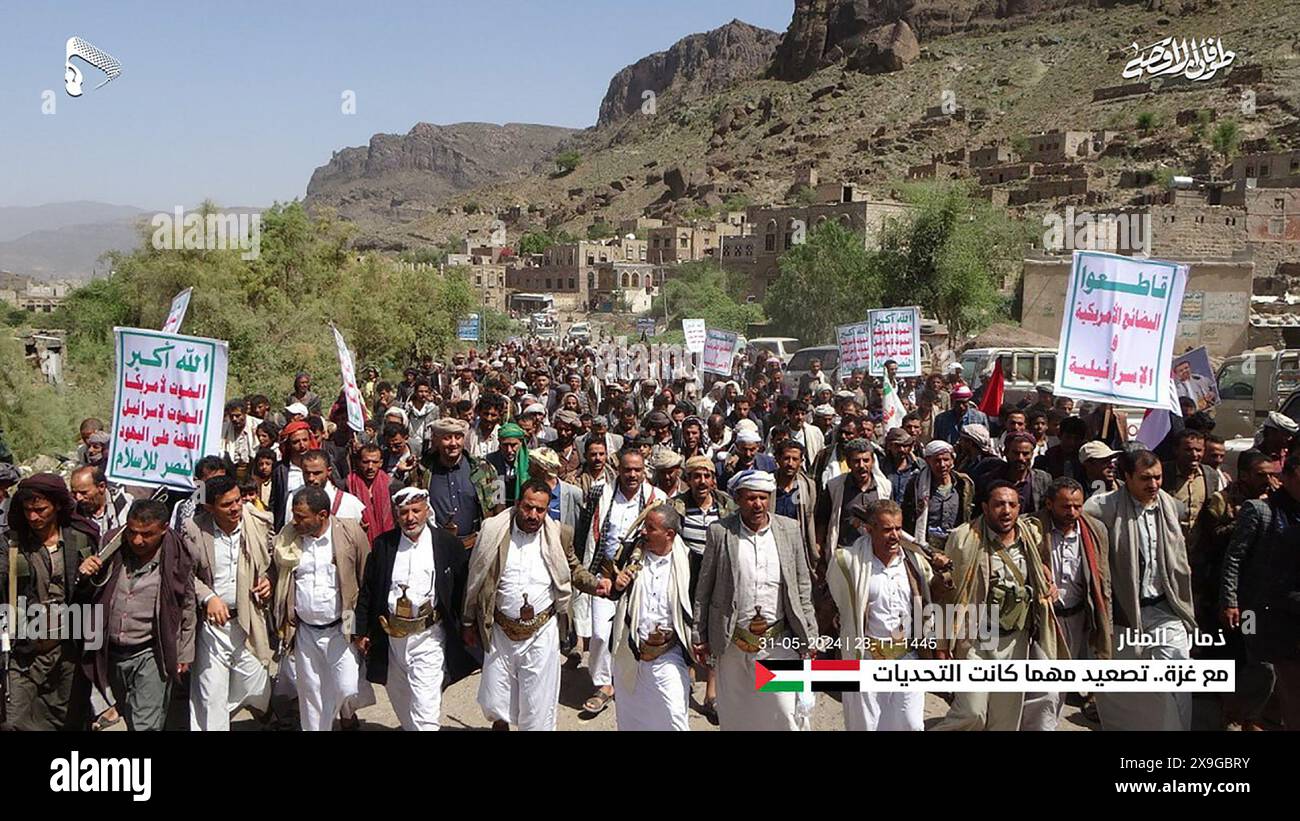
<point x="1260" y="574"/>
<point x="451" y="563"/>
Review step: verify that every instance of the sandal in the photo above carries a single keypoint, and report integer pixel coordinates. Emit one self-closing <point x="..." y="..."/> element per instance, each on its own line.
<point x="598" y="702"/>
<point x="100" y="724"/>
<point x="709" y="709"/>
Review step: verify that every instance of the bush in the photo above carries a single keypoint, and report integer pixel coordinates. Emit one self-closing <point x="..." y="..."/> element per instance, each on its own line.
<point x="1146" y="121"/>
<point x="1227" y="136"/>
<point x="566" y="161"/>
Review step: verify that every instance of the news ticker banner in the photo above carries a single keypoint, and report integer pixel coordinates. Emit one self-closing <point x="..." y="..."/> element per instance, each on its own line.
<point x="167" y="408"/>
<point x="986" y="676"/>
<point x="1118" y="329"/>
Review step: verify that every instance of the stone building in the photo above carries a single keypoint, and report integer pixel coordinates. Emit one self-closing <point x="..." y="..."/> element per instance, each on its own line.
<point x="1059" y="146"/>
<point x="33" y="296"/>
<point x="1273" y="169"/>
<point x="568" y="270"/>
<point x="672" y="244"/>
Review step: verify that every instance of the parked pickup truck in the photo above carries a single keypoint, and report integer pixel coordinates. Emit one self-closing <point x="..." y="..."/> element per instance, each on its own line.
<point x="1252" y="384"/>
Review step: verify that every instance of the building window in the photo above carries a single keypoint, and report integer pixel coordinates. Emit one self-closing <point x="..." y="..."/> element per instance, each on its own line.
<point x="573" y="284"/>
<point x="682" y="242"/>
<point x="770" y="243"/>
<point x="624" y="279"/>
<point x="789" y="239"/>
<point x="1276" y="226"/>
<point x="1279" y="203"/>
<point x="591" y="259"/>
<point x="548" y="283"/>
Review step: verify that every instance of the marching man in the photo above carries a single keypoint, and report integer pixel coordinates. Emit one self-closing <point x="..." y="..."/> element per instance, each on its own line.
<point x="755" y="572"/>
<point x="521" y="575"/>
<point x="229" y="543"/>
<point x="319" y="561"/>
<point x="652" y="630"/>
<point x="413" y="586"/>
<point x="879" y="589"/>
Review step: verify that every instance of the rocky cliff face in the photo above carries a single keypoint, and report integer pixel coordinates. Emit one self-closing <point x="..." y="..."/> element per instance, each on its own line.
<point x="698" y="65"/>
<point x="866" y="33"/>
<point x="422" y="168"/>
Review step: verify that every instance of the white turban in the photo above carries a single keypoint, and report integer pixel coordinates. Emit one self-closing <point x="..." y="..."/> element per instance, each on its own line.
<point x="409" y="494"/>
<point x="935" y="447"/>
<point x="752" y="480"/>
<point x="745" y="436"/>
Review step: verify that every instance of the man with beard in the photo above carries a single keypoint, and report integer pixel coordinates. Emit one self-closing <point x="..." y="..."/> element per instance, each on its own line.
<point x="1062" y="459"/>
<point x="996" y="563"/>
<point x="465" y="387"/>
<point x="666" y="469"/>
<point x="403" y="469"/>
<point x="408" y="611"/>
<point x="421" y="410"/>
<point x="229" y="545"/>
<point x="830" y="462"/>
<point x="692" y="439"/>
<point x="104" y="504"/>
<point x="47" y="542"/>
<point x="796" y="498"/>
<point x="810" y="436"/>
<point x="899" y="465"/>
<point x="302" y="394"/>
<point x="1015" y="470"/>
<point x="859" y="486"/>
<point x="1257" y="474"/>
<point x="652" y="630"/>
<point x="1152" y="589"/>
<point x="463" y="491"/>
<point x="1187" y="480"/>
<point x="510" y="461"/>
<point x="1098" y="460"/>
<point x="608" y="513"/>
<point x="744" y="455"/>
<point x="369" y="483"/>
<point x="879" y="591"/>
<point x="147" y="598"/>
<point x="239" y="437"/>
<point x="755" y="588"/>
<point x="949" y="424"/>
<point x="483" y="438"/>
<point x="520" y="578"/>
<point x="567" y="424"/>
<point x="316" y="472"/>
<point x="595" y="465"/>
<point x="287" y="478"/>
<point x="938" y="499"/>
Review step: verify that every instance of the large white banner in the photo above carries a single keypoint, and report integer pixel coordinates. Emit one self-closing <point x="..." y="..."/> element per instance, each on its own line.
<point x="1118" y="331"/>
<point x="696" y="334"/>
<point x="895" y="334"/>
<point x="719" y="352"/>
<point x="356" y="417"/>
<point x="175" y="316"/>
<point x="168" y="407"/>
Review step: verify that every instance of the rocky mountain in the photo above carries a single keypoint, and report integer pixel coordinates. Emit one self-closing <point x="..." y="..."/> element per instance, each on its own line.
<point x="17" y="220"/>
<point x="698" y="65"/>
<point x="401" y="176"/>
<point x="64" y="240"/>
<point x="883" y="35"/>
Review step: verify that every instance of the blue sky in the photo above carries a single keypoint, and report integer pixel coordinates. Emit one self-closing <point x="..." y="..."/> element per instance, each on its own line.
<point x="240" y="101"/>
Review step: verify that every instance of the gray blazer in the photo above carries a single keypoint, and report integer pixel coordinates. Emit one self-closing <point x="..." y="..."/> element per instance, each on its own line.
<point x="715" y="592"/>
<point x="570" y="504"/>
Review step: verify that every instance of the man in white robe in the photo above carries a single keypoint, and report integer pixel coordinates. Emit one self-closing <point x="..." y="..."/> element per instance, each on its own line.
<point x="652" y="630"/>
<point x="756" y="590"/>
<point x="880" y="591"/>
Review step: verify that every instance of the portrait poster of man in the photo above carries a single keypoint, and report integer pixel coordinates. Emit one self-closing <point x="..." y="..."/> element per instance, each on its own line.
<point x="1194" y="378"/>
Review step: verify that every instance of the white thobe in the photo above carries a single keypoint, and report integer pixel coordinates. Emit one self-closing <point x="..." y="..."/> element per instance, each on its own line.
<point x="293" y="482"/>
<point x="326" y="668"/>
<point x="622" y="513"/>
<point x="740" y="706"/>
<point x="350" y="507"/>
<point x="521" y="679"/>
<point x="889" y="616"/>
<point x="661" y="697"/>
<point x="226" y="675"/>
<point x="415" y="663"/>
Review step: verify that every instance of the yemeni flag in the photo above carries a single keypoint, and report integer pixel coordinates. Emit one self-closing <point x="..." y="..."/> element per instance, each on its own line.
<point x="891" y="406"/>
<point x="993" y="392"/>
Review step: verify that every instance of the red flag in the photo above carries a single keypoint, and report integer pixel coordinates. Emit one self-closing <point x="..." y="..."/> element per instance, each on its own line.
<point x="992" y="401"/>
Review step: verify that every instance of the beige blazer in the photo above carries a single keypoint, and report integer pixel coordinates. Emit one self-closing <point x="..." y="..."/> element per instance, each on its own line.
<point x="351" y="549"/>
<point x="254" y="561"/>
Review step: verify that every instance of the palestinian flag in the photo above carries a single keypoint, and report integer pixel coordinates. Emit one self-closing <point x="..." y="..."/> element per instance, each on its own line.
<point x="815" y="675"/>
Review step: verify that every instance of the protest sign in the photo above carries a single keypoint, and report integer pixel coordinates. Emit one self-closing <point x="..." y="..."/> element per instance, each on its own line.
<point x="1119" y="327"/>
<point x="1194" y="378"/>
<point x="855" y="346"/>
<point x="356" y="416"/>
<point x="175" y="316"/>
<point x="695" y="334"/>
<point x="895" y="334"/>
<point x="467" y="330"/>
<point x="719" y="352"/>
<point x="645" y="325"/>
<point x="168" y="407"/>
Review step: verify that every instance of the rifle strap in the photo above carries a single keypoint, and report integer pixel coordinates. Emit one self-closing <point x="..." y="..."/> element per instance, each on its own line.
<point x="12" y="575"/>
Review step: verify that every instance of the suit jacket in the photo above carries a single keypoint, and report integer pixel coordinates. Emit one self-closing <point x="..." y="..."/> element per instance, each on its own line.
<point x="351" y="552"/>
<point x="489" y="560"/>
<point x="1117" y="511"/>
<point x="946" y="427"/>
<point x="570" y="505"/>
<point x="254" y="560"/>
<point x="715" y="592"/>
<point x="451" y="566"/>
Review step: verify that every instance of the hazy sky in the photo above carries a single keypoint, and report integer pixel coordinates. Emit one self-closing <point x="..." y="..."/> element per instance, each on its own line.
<point x="240" y="101"/>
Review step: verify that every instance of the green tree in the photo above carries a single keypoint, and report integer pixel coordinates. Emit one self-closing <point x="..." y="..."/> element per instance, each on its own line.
<point x="600" y="230"/>
<point x="566" y="161"/>
<point x="1146" y="121"/>
<point x="825" y="281"/>
<point x="702" y="290"/>
<point x="1226" y="138"/>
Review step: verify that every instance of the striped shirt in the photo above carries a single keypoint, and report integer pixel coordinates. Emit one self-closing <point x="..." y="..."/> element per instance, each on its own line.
<point x="695" y="525"/>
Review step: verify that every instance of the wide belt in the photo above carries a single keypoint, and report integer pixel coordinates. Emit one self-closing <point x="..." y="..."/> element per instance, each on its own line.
<point x="1152" y="601"/>
<point x="885" y="649"/>
<point x="746" y="639"/>
<point x="1065" y="612"/>
<point x="521" y="629"/>
<point x="399" y="627"/>
<point x="656" y="644"/>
